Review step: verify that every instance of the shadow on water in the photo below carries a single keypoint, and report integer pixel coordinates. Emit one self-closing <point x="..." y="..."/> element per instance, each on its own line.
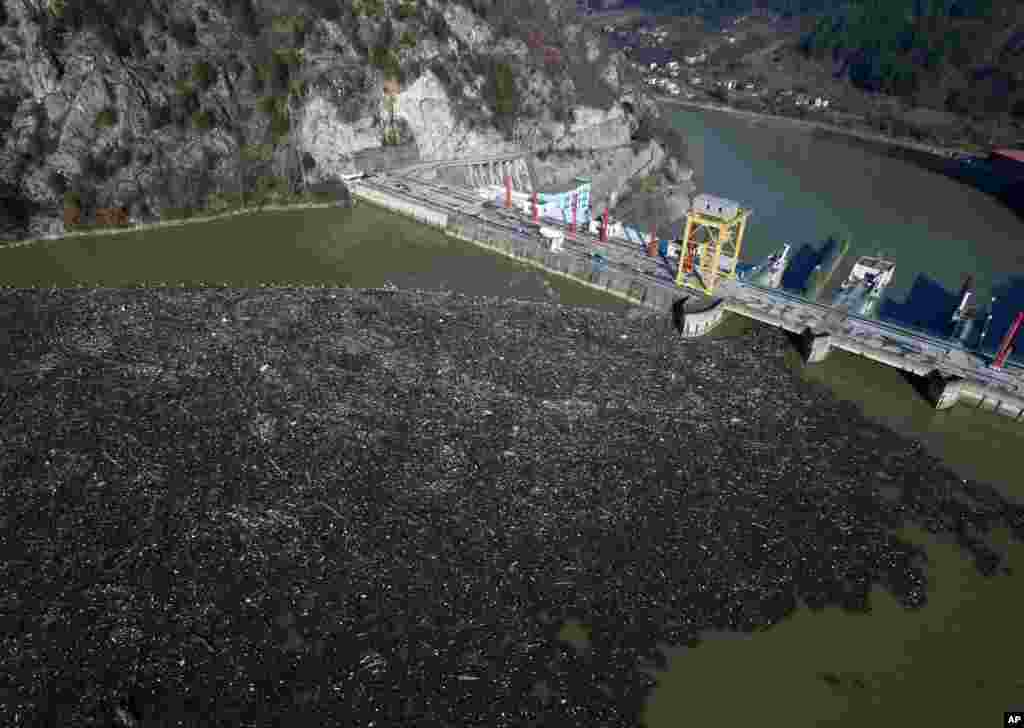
<point x="1009" y="194"/>
<point x="1009" y="297"/>
<point x="927" y="307"/>
<point x="802" y="263"/>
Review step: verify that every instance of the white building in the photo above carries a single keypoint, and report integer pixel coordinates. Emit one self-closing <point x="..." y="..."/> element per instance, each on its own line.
<point x="885" y="269"/>
<point x="715" y="206"/>
<point x="554" y="237"/>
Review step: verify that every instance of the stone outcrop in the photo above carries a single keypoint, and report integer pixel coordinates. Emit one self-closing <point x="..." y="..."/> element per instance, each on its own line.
<point x="122" y="113"/>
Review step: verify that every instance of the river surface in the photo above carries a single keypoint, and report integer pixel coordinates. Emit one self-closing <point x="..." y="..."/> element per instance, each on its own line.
<point x="804" y="186"/>
<point x="365" y="247"/>
<point x="951" y="663"/>
<point x="955" y="662"/>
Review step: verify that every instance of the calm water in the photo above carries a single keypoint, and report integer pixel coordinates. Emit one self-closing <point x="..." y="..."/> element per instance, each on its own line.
<point x="956" y="662"/>
<point x="804" y="187"/>
<point x="363" y="248"/>
<point x="950" y="664"/>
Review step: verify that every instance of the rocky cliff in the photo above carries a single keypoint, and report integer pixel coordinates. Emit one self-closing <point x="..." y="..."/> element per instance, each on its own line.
<point x="159" y="106"/>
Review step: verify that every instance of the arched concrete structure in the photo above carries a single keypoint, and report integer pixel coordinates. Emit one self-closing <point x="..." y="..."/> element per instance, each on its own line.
<point x="692" y="323"/>
<point x="816" y="345"/>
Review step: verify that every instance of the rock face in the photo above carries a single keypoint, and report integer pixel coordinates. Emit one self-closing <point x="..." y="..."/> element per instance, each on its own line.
<point x="158" y="108"/>
<point x="611" y="170"/>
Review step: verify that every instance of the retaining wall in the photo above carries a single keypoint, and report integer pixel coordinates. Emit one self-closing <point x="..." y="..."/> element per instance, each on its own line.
<point x="946" y="392"/>
<point x="535" y="252"/>
<point x="698" y="323"/>
<point x="417" y="212"/>
<point x="1002" y="403"/>
<point x="566" y="264"/>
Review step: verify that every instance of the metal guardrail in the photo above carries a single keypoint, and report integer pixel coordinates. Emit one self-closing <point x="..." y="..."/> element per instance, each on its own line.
<point x="587" y="241"/>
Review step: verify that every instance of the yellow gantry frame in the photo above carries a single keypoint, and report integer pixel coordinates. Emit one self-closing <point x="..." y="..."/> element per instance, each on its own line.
<point x="720" y="236"/>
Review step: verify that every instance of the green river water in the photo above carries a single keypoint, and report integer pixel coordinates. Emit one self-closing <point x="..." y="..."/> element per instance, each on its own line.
<point x="954" y="663"/>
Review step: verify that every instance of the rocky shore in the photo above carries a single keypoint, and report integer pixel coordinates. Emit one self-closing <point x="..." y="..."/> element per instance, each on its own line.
<point x="314" y="505"/>
<point x="155" y="109"/>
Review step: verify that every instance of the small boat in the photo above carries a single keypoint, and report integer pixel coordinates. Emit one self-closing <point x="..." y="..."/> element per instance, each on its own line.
<point x="862" y="289"/>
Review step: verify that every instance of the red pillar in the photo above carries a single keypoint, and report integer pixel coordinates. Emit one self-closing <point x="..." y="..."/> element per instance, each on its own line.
<point x="652" y="245"/>
<point x="1007" y="346"/>
<point x="508" y="190"/>
<point x="604" y="226"/>
<point x="691" y="253"/>
<point x="536" y="210"/>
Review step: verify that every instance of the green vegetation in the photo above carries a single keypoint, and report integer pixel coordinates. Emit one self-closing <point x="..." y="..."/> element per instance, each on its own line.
<point x="297" y="88"/>
<point x="408" y="40"/>
<point x="368" y="8"/>
<point x="257" y="152"/>
<point x="290" y="57"/>
<point x="219" y="202"/>
<point x="385" y="59"/>
<point x="502" y="94"/>
<point x="106" y="118"/>
<point x="649" y="184"/>
<point x="183" y="87"/>
<point x="288" y="24"/>
<point x="913" y="48"/>
<point x="72" y="199"/>
<point x="203" y="74"/>
<point x="176" y="213"/>
<point x="279" y="125"/>
<point x="277" y="108"/>
<point x="406" y="10"/>
<point x="202" y="120"/>
<point x="270" y="190"/>
<point x="271" y="104"/>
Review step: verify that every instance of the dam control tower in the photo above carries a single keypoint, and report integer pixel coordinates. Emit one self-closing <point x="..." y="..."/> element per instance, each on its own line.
<point x="711" y="242"/>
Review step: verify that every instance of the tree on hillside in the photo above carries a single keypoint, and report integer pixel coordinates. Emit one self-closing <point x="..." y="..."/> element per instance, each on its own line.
<point x="501" y="94"/>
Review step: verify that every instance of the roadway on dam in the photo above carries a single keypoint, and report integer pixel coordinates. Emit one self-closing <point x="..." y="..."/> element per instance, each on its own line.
<point x="892" y="345"/>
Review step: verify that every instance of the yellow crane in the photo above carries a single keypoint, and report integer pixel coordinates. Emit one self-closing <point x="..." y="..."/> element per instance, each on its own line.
<point x="711" y="243"/>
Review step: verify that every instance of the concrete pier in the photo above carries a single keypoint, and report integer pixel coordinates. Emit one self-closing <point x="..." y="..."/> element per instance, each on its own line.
<point x="816" y="345"/>
<point x="951" y="377"/>
<point x="944" y="392"/>
<point x="999" y="401"/>
<point x="697" y="317"/>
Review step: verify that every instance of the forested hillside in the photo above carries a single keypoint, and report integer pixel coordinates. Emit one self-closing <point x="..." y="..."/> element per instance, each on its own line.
<point x="965" y="56"/>
<point x="714" y="10"/>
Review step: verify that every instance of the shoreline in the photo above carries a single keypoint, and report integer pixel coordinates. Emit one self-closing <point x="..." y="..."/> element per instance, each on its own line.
<point x="936" y="151"/>
<point x="141" y="227"/>
<point x="529" y="262"/>
<point x="510" y="379"/>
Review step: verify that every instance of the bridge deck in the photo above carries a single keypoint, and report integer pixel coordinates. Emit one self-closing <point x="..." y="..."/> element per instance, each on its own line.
<point x="883" y="342"/>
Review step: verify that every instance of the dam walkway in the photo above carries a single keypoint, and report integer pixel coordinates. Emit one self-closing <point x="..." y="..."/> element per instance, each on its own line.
<point x="951" y="373"/>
